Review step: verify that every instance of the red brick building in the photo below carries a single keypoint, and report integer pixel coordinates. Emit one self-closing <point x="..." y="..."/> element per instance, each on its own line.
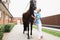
<point x="16" y="19"/>
<point x="5" y="15"/>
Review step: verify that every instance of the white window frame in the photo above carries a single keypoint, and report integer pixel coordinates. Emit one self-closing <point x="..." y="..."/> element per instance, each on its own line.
<point x="0" y="14"/>
<point x="6" y="17"/>
<point x="4" y="1"/>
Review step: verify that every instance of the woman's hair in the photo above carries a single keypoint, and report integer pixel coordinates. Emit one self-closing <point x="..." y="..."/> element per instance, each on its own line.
<point x="38" y="10"/>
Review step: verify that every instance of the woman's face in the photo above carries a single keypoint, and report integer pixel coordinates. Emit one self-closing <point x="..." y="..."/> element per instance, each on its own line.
<point x="39" y="10"/>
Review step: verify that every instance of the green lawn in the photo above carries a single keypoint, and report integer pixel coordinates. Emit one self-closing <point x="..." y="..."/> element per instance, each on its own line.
<point x="53" y="32"/>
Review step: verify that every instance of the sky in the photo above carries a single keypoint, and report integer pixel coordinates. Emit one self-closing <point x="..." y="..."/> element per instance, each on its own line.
<point x="48" y="7"/>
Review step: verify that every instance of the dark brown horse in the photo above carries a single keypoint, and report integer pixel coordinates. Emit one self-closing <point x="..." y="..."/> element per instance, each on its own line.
<point x="27" y="17"/>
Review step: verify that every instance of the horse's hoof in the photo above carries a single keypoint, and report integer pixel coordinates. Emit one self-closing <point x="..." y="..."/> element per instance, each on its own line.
<point x="26" y="33"/>
<point x="31" y="36"/>
<point x="23" y="32"/>
<point x="28" y="37"/>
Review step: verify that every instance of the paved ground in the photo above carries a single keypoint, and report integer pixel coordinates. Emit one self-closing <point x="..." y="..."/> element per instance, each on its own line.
<point x="17" y="34"/>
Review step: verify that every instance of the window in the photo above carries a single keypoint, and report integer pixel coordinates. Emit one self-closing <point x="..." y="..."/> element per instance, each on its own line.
<point x="6" y="17"/>
<point x="8" y="1"/>
<point x="4" y="1"/>
<point x="0" y="14"/>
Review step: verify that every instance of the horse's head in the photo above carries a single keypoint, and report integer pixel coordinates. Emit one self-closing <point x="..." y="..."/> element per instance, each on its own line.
<point x="33" y="4"/>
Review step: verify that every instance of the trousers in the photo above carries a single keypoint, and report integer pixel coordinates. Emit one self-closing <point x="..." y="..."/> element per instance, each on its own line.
<point x="39" y="30"/>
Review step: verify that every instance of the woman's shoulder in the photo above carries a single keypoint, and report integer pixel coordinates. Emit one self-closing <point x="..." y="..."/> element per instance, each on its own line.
<point x="38" y="14"/>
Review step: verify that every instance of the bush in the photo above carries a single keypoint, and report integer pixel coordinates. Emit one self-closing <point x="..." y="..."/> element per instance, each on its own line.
<point x="1" y="32"/>
<point x="7" y="28"/>
<point x="1" y="35"/>
<point x="11" y="26"/>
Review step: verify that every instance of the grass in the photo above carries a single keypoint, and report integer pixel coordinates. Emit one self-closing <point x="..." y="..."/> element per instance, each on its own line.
<point x="53" y="32"/>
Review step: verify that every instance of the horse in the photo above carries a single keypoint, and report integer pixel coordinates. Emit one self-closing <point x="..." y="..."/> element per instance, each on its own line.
<point x="28" y="19"/>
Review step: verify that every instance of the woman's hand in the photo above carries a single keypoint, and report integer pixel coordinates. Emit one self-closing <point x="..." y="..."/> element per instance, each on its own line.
<point x="33" y="16"/>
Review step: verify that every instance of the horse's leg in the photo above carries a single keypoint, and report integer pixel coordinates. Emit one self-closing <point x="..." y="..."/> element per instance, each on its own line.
<point x="24" y="25"/>
<point x="28" y="32"/>
<point x="24" y="28"/>
<point x="31" y="29"/>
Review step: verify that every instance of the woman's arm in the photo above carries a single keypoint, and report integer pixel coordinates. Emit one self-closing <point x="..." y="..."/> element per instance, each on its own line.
<point x="37" y="18"/>
<point x="33" y="16"/>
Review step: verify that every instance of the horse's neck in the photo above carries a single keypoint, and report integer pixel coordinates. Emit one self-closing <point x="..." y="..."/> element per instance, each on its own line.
<point x="31" y="11"/>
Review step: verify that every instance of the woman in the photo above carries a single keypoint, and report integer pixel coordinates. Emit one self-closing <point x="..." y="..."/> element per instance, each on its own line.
<point x="38" y="23"/>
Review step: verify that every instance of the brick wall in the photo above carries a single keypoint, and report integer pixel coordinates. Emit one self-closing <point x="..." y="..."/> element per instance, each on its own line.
<point x="16" y="19"/>
<point x="4" y="19"/>
<point x="51" y="20"/>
